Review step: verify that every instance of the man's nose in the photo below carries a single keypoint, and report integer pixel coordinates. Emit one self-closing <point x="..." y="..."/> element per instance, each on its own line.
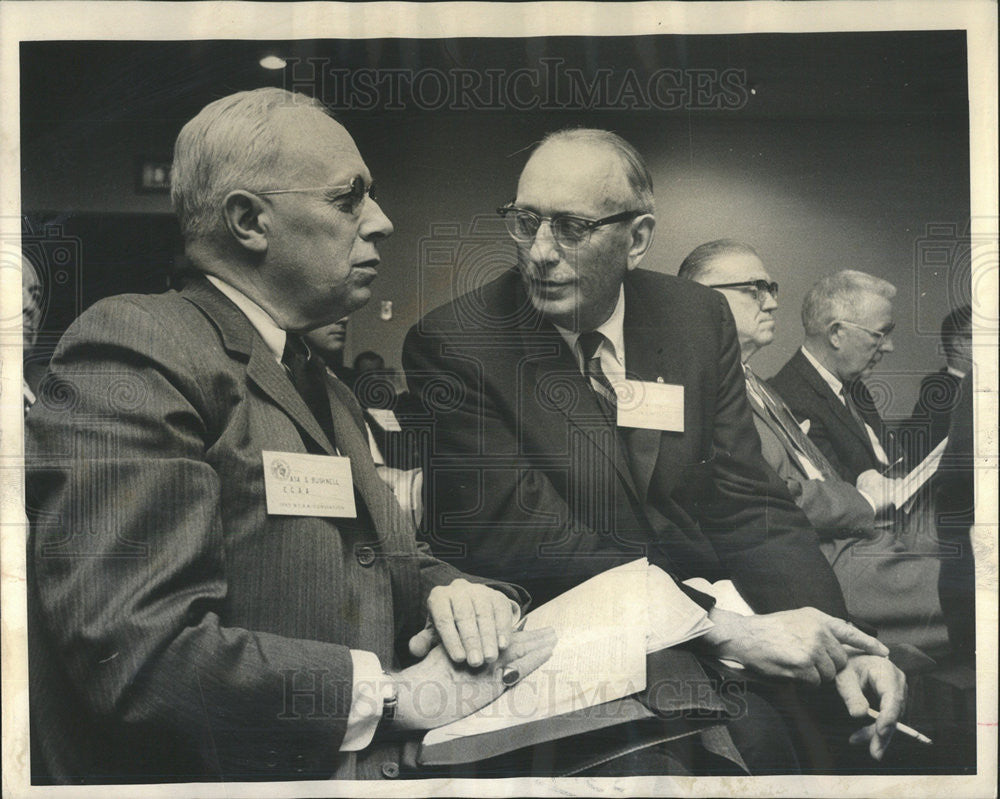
<point x="770" y="302"/>
<point x="544" y="248"/>
<point x="375" y="225"/>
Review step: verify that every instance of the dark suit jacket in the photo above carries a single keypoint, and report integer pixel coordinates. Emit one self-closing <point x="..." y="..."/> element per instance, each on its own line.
<point x="831" y="426"/>
<point x="931" y="417"/>
<point x="178" y="630"/>
<point x="525" y="474"/>
<point x="835" y="508"/>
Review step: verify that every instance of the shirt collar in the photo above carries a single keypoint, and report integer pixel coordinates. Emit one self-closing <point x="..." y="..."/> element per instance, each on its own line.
<point x="613" y="330"/>
<point x="831" y="379"/>
<point x="955" y="372"/>
<point x="261" y="320"/>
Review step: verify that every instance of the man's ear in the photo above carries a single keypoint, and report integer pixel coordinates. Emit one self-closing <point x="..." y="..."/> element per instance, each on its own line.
<point x="641" y="230"/>
<point x="247" y="220"/>
<point x="833" y="334"/>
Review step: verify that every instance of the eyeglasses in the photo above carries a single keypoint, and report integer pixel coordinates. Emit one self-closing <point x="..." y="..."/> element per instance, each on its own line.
<point x="878" y="335"/>
<point x="355" y="190"/>
<point x="758" y="289"/>
<point x="568" y="231"/>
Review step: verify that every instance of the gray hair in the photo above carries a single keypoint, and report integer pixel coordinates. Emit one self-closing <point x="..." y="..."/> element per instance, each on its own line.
<point x="633" y="166"/>
<point x="835" y="296"/>
<point x="699" y="261"/>
<point x="231" y="144"/>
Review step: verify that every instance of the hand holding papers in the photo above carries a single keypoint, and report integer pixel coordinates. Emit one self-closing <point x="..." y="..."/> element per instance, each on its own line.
<point x="604" y="628"/>
<point x="909" y="485"/>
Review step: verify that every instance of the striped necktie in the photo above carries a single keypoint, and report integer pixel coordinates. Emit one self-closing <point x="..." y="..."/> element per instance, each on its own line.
<point x="776" y="406"/>
<point x="590" y="344"/>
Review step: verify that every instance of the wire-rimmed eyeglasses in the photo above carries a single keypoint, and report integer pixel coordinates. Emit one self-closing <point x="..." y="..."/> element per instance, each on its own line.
<point x="354" y="190"/>
<point x="569" y="231"/>
<point x="878" y="335"/>
<point x="758" y="289"/>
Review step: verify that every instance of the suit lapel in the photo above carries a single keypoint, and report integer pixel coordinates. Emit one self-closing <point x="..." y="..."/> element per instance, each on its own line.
<point x="821" y="387"/>
<point x="646" y="360"/>
<point x="239" y="338"/>
<point x="553" y="378"/>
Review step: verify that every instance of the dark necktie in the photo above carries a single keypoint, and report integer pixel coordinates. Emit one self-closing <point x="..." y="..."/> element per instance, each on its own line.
<point x="845" y="394"/>
<point x="590" y="343"/>
<point x="776" y="406"/>
<point x="307" y="377"/>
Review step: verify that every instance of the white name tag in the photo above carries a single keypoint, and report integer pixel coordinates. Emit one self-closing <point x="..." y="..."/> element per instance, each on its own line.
<point x="386" y="419"/>
<point x="651" y="406"/>
<point x="308" y="485"/>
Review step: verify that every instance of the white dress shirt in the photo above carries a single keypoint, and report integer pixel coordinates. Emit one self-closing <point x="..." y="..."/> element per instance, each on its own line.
<point x="837" y="387"/>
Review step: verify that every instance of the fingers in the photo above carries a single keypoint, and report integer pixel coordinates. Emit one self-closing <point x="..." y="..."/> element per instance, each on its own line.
<point x="473" y="621"/>
<point x="503" y="617"/>
<point x="849" y="688"/>
<point x="850" y="635"/>
<point x="424" y="641"/>
<point x="528" y="650"/>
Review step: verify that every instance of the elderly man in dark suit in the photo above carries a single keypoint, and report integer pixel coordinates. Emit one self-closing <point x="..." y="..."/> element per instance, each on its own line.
<point x="596" y="412"/>
<point x="888" y="579"/>
<point x="220" y="586"/>
<point x="848" y="329"/>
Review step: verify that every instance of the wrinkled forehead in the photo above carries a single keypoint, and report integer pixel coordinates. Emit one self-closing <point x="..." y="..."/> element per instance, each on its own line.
<point x="574" y="177"/>
<point x="314" y="148"/>
<point x="736" y="267"/>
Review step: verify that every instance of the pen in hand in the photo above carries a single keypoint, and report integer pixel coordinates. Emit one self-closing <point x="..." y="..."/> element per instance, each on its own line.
<point x="903" y="728"/>
<point x="892" y="466"/>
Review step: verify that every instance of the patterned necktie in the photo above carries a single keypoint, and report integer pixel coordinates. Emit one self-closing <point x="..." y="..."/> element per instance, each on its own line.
<point x="307" y="377"/>
<point x="590" y="343"/>
<point x="776" y="406"/>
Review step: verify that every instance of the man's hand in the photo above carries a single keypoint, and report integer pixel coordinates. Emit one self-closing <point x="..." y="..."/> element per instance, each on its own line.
<point x="472" y="621"/>
<point x="880" y="677"/>
<point x="804" y="644"/>
<point x="437" y="691"/>
<point x="878" y="488"/>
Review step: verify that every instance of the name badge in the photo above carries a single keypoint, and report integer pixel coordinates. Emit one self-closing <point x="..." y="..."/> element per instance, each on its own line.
<point x="386" y="419"/>
<point x="651" y="406"/>
<point x="308" y="485"/>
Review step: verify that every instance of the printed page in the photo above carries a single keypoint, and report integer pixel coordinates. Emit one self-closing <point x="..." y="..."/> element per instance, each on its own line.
<point x="600" y="655"/>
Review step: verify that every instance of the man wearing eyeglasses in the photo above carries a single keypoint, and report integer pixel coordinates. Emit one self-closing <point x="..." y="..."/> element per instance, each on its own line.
<point x="544" y="466"/>
<point x="220" y="585"/>
<point x="887" y="582"/>
<point x="848" y="329"/>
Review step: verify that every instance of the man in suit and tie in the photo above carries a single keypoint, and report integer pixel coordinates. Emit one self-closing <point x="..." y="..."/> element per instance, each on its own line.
<point x="939" y="392"/>
<point x="848" y="329"/>
<point x="219" y="585"/>
<point x="887" y="582"/>
<point x="584" y="412"/>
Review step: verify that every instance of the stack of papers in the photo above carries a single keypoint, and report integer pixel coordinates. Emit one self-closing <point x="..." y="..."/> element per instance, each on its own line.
<point x="605" y="627"/>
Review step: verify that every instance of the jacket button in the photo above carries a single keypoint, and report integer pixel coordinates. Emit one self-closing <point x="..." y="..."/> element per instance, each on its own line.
<point x="366" y="556"/>
<point x="390" y="770"/>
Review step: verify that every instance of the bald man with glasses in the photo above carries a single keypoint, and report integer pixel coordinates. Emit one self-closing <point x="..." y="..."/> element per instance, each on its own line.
<point x="596" y="413"/>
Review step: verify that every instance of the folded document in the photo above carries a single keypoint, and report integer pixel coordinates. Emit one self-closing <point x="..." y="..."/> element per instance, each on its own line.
<point x="605" y="627"/>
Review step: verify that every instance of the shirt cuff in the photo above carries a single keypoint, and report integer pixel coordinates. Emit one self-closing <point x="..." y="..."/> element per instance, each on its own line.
<point x="366" y="701"/>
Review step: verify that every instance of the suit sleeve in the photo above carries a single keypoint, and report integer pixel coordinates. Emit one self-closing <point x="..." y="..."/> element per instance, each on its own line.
<point x="758" y="532"/>
<point x="834" y="508"/>
<point x="128" y="563"/>
<point x="493" y="508"/>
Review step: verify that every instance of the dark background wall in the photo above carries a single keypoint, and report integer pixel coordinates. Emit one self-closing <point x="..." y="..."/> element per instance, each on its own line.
<point x="840" y="151"/>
